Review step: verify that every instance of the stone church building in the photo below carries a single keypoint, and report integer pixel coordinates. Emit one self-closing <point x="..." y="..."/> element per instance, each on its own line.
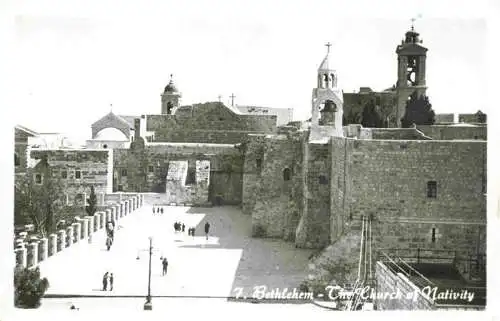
<point x="310" y="182"/>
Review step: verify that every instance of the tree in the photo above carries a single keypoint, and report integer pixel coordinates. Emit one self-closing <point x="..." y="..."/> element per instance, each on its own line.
<point x="92" y="201"/>
<point x="371" y="117"/>
<point x="29" y="287"/>
<point x="351" y="118"/>
<point x="418" y="111"/>
<point x="39" y="203"/>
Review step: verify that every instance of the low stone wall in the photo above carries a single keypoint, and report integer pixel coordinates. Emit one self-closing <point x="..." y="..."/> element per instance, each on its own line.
<point x="397" y="292"/>
<point x="30" y="251"/>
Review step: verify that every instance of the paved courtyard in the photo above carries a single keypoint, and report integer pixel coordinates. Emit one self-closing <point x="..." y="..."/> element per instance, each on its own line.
<point x="229" y="263"/>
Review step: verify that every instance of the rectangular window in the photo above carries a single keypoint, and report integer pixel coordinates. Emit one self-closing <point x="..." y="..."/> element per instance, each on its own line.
<point x="433" y="237"/>
<point x="432" y="189"/>
<point x="64" y="174"/>
<point x="78" y="174"/>
<point x="124" y="172"/>
<point x="323" y="180"/>
<point x="191" y="176"/>
<point x="258" y="163"/>
<point x="120" y="188"/>
<point x="38" y="179"/>
<point x="151" y="169"/>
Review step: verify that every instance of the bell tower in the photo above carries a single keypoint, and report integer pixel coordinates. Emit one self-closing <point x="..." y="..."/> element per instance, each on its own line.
<point x="327" y="102"/>
<point x="170" y="99"/>
<point x="411" y="70"/>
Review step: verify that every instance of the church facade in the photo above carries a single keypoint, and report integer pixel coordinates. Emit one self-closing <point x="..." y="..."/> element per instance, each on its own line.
<point x="312" y="182"/>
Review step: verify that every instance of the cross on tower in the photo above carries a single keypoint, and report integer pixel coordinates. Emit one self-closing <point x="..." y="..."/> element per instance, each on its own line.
<point x="111" y="107"/>
<point x="232" y="99"/>
<point x="412" y="23"/>
<point x="220" y="97"/>
<point x="328" y="45"/>
<point x="171" y="76"/>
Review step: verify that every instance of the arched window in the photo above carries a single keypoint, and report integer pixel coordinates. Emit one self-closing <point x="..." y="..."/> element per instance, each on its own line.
<point x="17" y="161"/>
<point x="287" y="173"/>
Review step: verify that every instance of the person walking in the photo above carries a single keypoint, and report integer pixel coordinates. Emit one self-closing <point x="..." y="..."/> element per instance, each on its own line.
<point x="162" y="210"/>
<point x="111" y="282"/>
<point x="153" y="209"/>
<point x="165" y="266"/>
<point x="207" y="229"/>
<point x="183" y="227"/>
<point x="105" y="281"/>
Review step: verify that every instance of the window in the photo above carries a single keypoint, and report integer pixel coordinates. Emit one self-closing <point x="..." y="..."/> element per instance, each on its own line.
<point x="433" y="236"/>
<point x="191" y="176"/>
<point x="38" y="179"/>
<point x="78" y="174"/>
<point x="323" y="180"/>
<point x="432" y="189"/>
<point x="258" y="163"/>
<point x="64" y="174"/>
<point x="151" y="169"/>
<point x="105" y="146"/>
<point x="124" y="172"/>
<point x="120" y="188"/>
<point x="17" y="161"/>
<point x="286" y="174"/>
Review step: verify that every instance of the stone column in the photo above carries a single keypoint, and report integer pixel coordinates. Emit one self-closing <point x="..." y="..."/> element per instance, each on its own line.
<point x="61" y="240"/>
<point x="67" y="199"/>
<point x="52" y="244"/>
<point x="102" y="200"/>
<point x="125" y="204"/>
<point x="69" y="235"/>
<point x="90" y="226"/>
<point x="129" y="205"/>
<point x="19" y="243"/>
<point x="21" y="256"/>
<point x="123" y="209"/>
<point x="97" y="220"/>
<point x="77" y="232"/>
<point x="118" y="210"/>
<point x="121" y="197"/>
<point x="32" y="254"/>
<point x="111" y="214"/>
<point x="103" y="219"/>
<point x="85" y="228"/>
<point x="44" y="249"/>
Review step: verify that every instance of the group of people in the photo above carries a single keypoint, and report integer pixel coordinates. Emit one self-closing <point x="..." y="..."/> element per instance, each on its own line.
<point x="157" y="210"/>
<point x="107" y="279"/>
<point x="179" y="227"/>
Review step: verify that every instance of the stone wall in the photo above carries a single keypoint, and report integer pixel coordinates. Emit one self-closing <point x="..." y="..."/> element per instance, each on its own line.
<point x="31" y="250"/>
<point x="207" y="123"/>
<point x="145" y="169"/>
<point x="389" y="179"/>
<point x="408" y="296"/>
<point x="273" y="189"/>
<point x="92" y="166"/>
<point x="444" y="118"/>
<point x="314" y="227"/>
<point x="471" y="118"/>
<point x="454" y="132"/>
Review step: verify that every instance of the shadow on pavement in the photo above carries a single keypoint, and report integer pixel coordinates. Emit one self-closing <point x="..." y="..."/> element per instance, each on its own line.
<point x="273" y="263"/>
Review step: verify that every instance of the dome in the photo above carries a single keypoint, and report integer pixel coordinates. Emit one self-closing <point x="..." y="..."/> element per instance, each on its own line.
<point x="111" y="134"/>
<point x="170" y="88"/>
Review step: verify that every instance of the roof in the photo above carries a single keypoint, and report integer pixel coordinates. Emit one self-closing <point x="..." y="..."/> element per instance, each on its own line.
<point x="129" y="120"/>
<point x="26" y="130"/>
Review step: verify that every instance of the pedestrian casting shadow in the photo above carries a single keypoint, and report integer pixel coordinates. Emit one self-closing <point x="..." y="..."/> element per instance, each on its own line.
<point x="264" y="261"/>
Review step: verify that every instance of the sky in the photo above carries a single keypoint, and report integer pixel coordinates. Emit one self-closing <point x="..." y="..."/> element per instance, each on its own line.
<point x="73" y="59"/>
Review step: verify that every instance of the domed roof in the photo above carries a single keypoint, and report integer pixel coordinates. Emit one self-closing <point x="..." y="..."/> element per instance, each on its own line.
<point x="170" y="88"/>
<point x="111" y="134"/>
